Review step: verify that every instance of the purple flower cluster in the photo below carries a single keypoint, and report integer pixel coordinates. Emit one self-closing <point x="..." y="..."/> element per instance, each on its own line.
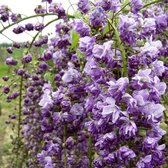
<point x="6" y="14"/>
<point x="79" y="109"/>
<point x="83" y="6"/>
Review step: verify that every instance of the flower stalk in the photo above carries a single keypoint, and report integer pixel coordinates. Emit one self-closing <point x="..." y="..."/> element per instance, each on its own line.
<point x="121" y="48"/>
<point x="90" y="153"/>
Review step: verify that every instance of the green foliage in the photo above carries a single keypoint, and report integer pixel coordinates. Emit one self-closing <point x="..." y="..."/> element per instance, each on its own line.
<point x="75" y="39"/>
<point x="81" y="59"/>
<point x="4" y="45"/>
<point x="106" y="29"/>
<point x="77" y="14"/>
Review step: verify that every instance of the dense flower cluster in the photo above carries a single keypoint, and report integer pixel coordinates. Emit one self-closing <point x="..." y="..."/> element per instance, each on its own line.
<point x="94" y="96"/>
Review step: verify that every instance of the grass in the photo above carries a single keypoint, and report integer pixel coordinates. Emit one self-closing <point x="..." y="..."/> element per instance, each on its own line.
<point x="5" y="131"/>
<point x="5" y="109"/>
<point x="5" y="143"/>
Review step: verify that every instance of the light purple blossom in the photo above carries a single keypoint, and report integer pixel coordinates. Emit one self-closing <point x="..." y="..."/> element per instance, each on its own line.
<point x="86" y="45"/>
<point x="128" y="128"/>
<point x="125" y="154"/>
<point x="97" y="17"/>
<point x="136" y="5"/>
<point x="151" y="47"/>
<point x="83" y="6"/>
<point x="158" y="67"/>
<point x="71" y="75"/>
<point x="117" y="88"/>
<point x="145" y="162"/>
<point x="103" y="51"/>
<point x="111" y="110"/>
<point x="153" y="112"/>
<point x="81" y="28"/>
<point x="46" y="100"/>
<point x="128" y="26"/>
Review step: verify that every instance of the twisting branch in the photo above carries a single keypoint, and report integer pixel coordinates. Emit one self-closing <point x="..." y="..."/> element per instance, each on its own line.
<point x="124" y="6"/>
<point x="71" y="5"/>
<point x="2" y="24"/>
<point x="7" y="37"/>
<point x="34" y="38"/>
<point x="151" y="3"/>
<point x="30" y="17"/>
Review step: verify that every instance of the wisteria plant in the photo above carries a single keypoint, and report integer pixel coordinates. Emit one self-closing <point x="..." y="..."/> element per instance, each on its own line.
<point x="93" y="95"/>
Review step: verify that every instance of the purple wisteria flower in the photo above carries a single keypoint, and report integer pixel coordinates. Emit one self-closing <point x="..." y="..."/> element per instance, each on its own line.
<point x="27" y="58"/>
<point x="150" y="143"/>
<point x="29" y="27"/>
<point x="98" y="17"/>
<point x="152" y="46"/>
<point x="103" y="52"/>
<point x="153" y="112"/>
<point x="141" y="96"/>
<point x="11" y="61"/>
<point x="4" y="13"/>
<point x="19" y="29"/>
<point x="81" y="28"/>
<point x="49" y="1"/>
<point x="86" y="45"/>
<point x="145" y="162"/>
<point x="111" y="110"/>
<point x="6" y="89"/>
<point x="80" y="109"/>
<point x="128" y="128"/>
<point x="161" y="22"/>
<point x="136" y="5"/>
<point x="143" y="77"/>
<point x="15" y="17"/>
<point x="148" y="26"/>
<point x="70" y="75"/>
<point x="39" y="26"/>
<point x="125" y="154"/>
<point x="128" y="27"/>
<point x="117" y="88"/>
<point x="5" y="78"/>
<point x="40" y="10"/>
<point x="92" y="69"/>
<point x="58" y="9"/>
<point x="46" y="100"/>
<point x="108" y="5"/>
<point x="83" y="6"/>
<point x="158" y="68"/>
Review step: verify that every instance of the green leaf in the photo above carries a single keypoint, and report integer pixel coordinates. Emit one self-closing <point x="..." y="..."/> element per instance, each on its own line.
<point x="80" y="55"/>
<point x="75" y="39"/>
<point x="77" y="14"/>
<point x="50" y="63"/>
<point x="81" y="58"/>
<point x="106" y="29"/>
<point x="142" y="131"/>
<point x="49" y="76"/>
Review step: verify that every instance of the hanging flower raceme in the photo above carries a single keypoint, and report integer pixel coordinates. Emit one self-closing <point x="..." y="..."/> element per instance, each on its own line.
<point x="93" y="94"/>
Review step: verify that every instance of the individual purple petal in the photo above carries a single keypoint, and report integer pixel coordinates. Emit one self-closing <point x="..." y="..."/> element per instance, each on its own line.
<point x="145" y="162"/>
